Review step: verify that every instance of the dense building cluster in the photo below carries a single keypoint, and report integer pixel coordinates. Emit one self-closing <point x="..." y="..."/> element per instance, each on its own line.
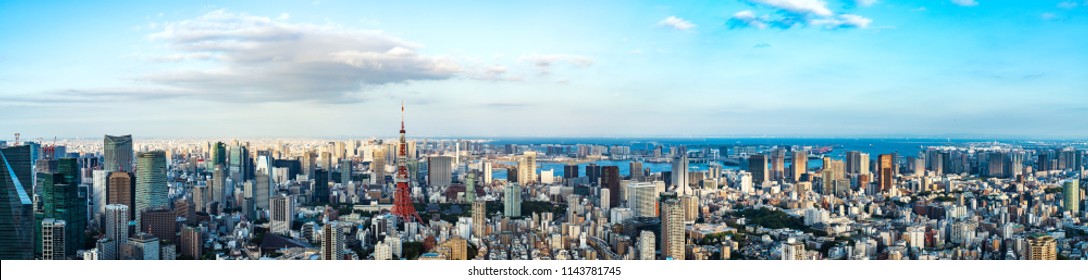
<point x="117" y="198"/>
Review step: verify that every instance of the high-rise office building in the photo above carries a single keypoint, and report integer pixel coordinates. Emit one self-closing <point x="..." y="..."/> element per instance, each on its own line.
<point x="217" y="155"/>
<point x="995" y="164"/>
<point x="321" y="186"/>
<point x="332" y="238"/>
<point x="160" y="222"/>
<point x="99" y="194"/>
<point x="690" y="203"/>
<point x="646" y="245"/>
<point x="146" y="246"/>
<point x="218" y="185"/>
<point x="345" y="171"/>
<point x="778" y="164"/>
<point x="470" y="187"/>
<point x="643" y="199"/>
<point x="857" y="162"/>
<point x="479" y="218"/>
<point x="116" y="220"/>
<point x="635" y="170"/>
<point x="60" y="199"/>
<point x="512" y="200"/>
<point x="377" y="165"/>
<point x="757" y="165"/>
<point x="1071" y="197"/>
<point x="527" y="168"/>
<point x="799" y="165"/>
<point x="191" y="243"/>
<point x="282" y="214"/>
<point x="439" y="170"/>
<point x="16" y="207"/>
<point x="1042" y="247"/>
<point x="151" y="188"/>
<point x="887" y="172"/>
<point x="53" y="239"/>
<point x="121" y="189"/>
<point x="680" y="172"/>
<point x="570" y="171"/>
<point x="672" y="227"/>
<point x="610" y="179"/>
<point x="487" y="173"/>
<point x="117" y="153"/>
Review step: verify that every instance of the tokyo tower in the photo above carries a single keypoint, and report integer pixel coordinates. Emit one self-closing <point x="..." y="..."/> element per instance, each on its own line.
<point x="402" y="198"/>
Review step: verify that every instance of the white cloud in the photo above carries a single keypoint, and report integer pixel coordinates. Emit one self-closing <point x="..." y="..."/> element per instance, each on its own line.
<point x="802" y="7"/>
<point x="264" y="59"/>
<point x="793" y="13"/>
<point x="747" y="18"/>
<point x="965" y="3"/>
<point x="865" y="3"/>
<point x="677" y="23"/>
<point x="843" y="21"/>
<point x="1068" y="5"/>
<point x="545" y="62"/>
<point x="1048" y="16"/>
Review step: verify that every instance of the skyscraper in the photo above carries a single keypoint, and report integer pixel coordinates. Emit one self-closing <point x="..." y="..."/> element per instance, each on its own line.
<point x="53" y="242"/>
<point x="121" y="189"/>
<point x="672" y="227"/>
<point x="116" y="225"/>
<point x="117" y="153"/>
<point x="16" y="207"/>
<point x="799" y="165"/>
<point x="439" y="170"/>
<point x="857" y="162"/>
<point x="470" y="187"/>
<point x="160" y="222"/>
<point x="527" y="168"/>
<point x="345" y="172"/>
<point x="332" y="238"/>
<point x="321" y="186"/>
<point x="151" y="189"/>
<point x="512" y="202"/>
<point x="487" y="173"/>
<point x="61" y="200"/>
<point x="680" y="172"/>
<point x="887" y="172"/>
<point x="282" y="213"/>
<point x="1071" y="197"/>
<point x="778" y="164"/>
<point x="99" y="193"/>
<point x="757" y="165"/>
<point x="479" y="218"/>
<point x="646" y="245"/>
<point x="610" y="179"/>
<point x="191" y="243"/>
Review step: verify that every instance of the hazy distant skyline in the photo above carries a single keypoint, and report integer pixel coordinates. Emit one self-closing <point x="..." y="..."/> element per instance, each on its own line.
<point x="731" y="68"/>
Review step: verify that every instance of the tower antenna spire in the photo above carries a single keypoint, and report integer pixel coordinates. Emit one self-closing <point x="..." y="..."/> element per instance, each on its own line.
<point x="402" y="114"/>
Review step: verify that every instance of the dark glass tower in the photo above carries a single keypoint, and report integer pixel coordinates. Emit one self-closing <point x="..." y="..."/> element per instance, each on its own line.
<point x="16" y="208"/>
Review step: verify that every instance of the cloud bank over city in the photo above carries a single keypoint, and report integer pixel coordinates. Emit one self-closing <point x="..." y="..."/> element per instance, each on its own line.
<point x="808" y="68"/>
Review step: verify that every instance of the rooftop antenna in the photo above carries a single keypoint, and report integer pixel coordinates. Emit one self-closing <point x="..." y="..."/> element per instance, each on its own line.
<point x="17" y="138"/>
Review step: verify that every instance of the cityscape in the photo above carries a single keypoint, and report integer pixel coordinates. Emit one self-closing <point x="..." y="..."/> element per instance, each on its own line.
<point x="479" y="199"/>
<point x="756" y="130"/>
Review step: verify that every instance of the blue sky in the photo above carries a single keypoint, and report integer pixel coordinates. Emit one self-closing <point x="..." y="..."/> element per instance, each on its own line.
<point x="733" y="68"/>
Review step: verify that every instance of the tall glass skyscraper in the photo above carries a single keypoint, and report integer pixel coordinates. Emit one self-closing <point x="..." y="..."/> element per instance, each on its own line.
<point x="60" y="200"/>
<point x="16" y="208"/>
<point x="117" y="153"/>
<point x="151" y="188"/>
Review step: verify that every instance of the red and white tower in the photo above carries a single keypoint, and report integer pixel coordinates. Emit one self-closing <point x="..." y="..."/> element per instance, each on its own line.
<point x="402" y="198"/>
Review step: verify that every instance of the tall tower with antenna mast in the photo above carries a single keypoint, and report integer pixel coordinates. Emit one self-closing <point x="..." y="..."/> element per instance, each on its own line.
<point x="402" y="198"/>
